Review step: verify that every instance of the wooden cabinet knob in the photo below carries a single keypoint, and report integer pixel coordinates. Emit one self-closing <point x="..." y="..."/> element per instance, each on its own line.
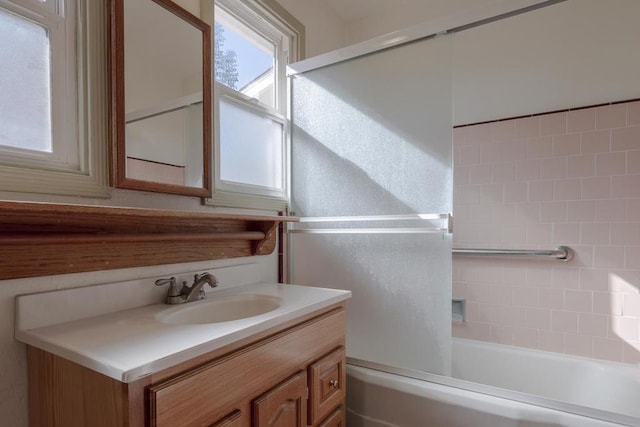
<point x="333" y="383"/>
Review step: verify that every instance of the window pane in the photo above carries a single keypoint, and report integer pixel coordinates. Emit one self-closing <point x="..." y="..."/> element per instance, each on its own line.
<point x="250" y="147"/>
<point x="244" y="61"/>
<point x="25" y="100"/>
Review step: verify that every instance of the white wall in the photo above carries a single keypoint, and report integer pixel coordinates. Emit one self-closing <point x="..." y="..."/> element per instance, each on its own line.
<point x="572" y="54"/>
<point x="325" y="31"/>
<point x="575" y="53"/>
<point x="404" y="15"/>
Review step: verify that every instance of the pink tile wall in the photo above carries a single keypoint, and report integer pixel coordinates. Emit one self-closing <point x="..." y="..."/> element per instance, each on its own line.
<point x="570" y="178"/>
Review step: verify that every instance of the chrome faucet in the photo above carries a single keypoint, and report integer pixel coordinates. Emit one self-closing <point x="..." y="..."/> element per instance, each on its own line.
<point x="180" y="295"/>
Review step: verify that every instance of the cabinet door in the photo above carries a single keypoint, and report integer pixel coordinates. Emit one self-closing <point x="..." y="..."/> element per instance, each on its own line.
<point x="334" y="420"/>
<point x="327" y="381"/>
<point x="284" y="405"/>
<point x="234" y="419"/>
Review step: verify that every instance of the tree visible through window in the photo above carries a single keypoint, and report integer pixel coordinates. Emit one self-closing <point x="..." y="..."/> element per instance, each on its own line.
<point x="244" y="59"/>
<point x="226" y="61"/>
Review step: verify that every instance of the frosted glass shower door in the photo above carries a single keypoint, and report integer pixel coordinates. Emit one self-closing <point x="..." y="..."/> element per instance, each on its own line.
<point x="371" y="164"/>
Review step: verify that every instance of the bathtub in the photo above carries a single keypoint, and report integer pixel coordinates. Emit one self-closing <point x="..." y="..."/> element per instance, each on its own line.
<point x="519" y="387"/>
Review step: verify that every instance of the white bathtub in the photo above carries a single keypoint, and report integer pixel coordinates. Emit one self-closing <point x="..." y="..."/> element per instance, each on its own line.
<point x="551" y="390"/>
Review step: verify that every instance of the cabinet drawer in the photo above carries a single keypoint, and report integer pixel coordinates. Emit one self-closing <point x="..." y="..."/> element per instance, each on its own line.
<point x="337" y="419"/>
<point x="327" y="382"/>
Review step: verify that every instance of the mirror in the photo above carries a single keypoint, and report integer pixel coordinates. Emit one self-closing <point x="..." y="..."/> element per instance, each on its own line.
<point x="160" y="97"/>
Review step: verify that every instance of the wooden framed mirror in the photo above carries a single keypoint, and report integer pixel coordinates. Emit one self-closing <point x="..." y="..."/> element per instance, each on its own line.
<point x="160" y="97"/>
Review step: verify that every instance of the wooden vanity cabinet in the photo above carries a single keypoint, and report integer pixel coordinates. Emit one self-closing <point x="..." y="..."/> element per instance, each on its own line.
<point x="292" y="375"/>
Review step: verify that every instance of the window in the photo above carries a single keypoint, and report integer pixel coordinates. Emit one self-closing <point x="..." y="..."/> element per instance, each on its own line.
<point x="25" y="108"/>
<point x="48" y="142"/>
<point x="253" y="42"/>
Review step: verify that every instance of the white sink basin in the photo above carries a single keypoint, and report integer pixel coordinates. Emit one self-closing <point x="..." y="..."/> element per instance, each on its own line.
<point x="221" y="309"/>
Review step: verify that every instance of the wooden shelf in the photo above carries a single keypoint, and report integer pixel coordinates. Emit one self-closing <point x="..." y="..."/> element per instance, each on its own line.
<point x="41" y="239"/>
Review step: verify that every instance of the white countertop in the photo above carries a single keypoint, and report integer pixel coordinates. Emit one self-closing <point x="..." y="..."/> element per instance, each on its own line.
<point x="130" y="344"/>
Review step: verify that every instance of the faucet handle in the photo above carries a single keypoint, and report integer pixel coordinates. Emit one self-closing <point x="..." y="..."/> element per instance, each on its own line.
<point x="174" y="289"/>
<point x="162" y="282"/>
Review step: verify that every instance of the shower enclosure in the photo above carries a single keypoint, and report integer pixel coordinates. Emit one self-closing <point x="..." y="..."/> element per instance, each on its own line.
<point x="372" y="184"/>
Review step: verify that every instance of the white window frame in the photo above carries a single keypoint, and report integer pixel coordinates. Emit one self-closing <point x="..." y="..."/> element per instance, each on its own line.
<point x="262" y="16"/>
<point x="78" y="164"/>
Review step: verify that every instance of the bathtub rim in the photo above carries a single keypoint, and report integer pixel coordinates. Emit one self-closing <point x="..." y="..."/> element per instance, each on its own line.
<point x="503" y="393"/>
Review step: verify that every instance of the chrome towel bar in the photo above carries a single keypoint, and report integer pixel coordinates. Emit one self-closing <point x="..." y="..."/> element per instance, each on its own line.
<point x="561" y="253"/>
